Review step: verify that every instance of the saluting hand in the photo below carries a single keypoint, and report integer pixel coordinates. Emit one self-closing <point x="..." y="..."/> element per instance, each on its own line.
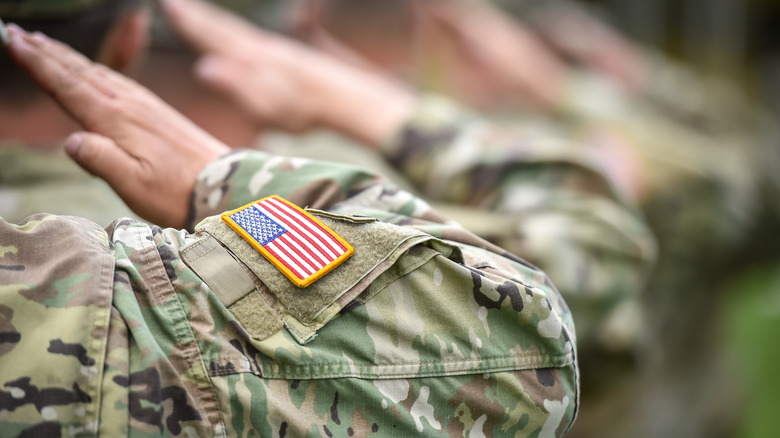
<point x="284" y="83"/>
<point x="149" y="153"/>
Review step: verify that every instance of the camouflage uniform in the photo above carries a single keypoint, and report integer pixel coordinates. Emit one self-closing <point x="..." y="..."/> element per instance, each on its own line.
<point x="137" y="330"/>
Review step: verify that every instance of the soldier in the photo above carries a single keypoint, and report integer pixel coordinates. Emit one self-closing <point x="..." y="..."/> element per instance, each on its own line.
<point x="141" y="330"/>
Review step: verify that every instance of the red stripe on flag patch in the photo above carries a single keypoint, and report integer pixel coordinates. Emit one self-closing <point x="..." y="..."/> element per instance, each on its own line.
<point x="298" y="244"/>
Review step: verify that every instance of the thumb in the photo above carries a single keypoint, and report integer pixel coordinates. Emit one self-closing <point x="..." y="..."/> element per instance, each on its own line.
<point x="218" y="72"/>
<point x="233" y="80"/>
<point x="98" y="155"/>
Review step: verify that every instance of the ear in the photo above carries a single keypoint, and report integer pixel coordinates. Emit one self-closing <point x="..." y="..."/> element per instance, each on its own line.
<point x="126" y="41"/>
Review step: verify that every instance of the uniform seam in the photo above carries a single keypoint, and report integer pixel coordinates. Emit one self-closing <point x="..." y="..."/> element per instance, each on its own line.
<point x="539" y="357"/>
<point x="533" y="361"/>
<point x="374" y="376"/>
<point x="105" y="282"/>
<point x="173" y="307"/>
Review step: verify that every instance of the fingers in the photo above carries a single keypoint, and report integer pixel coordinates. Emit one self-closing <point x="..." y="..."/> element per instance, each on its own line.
<point x="234" y="78"/>
<point x="216" y="72"/>
<point x="36" y="54"/>
<point x="76" y="83"/>
<point x="491" y="43"/>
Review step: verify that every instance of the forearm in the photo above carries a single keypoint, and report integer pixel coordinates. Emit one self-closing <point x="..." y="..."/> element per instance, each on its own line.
<point x="363" y="105"/>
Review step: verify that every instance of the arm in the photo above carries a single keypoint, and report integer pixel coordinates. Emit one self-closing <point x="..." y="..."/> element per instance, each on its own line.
<point x="284" y="83"/>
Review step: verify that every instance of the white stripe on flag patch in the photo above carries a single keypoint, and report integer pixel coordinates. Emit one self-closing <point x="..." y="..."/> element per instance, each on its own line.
<point x="304" y="229"/>
<point x="298" y="244"/>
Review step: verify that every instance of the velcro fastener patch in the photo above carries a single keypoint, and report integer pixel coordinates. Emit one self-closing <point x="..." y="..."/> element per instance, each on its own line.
<point x="298" y="244"/>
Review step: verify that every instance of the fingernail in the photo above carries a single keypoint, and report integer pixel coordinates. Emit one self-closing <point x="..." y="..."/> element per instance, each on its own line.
<point x="73" y="144"/>
<point x="14" y="29"/>
<point x="17" y="42"/>
<point x="14" y="34"/>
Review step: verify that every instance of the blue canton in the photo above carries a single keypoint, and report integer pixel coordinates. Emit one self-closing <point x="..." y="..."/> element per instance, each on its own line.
<point x="262" y="228"/>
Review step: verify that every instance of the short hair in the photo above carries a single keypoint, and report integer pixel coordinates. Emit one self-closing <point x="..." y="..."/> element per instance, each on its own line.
<point x="84" y="31"/>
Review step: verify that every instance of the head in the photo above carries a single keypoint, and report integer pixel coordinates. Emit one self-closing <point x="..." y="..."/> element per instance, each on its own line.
<point x="112" y="32"/>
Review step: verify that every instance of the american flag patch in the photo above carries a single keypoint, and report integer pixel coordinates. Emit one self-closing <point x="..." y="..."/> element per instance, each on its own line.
<point x="298" y="244"/>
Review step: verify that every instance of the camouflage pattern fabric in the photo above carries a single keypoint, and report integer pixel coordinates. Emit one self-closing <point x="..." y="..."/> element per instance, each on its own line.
<point x="426" y="330"/>
<point x="34" y="181"/>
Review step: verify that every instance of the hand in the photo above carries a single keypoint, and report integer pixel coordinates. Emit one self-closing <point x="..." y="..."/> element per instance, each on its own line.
<point x="148" y="153"/>
<point x="284" y="83"/>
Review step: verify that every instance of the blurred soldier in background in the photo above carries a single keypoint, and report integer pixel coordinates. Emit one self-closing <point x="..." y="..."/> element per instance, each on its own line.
<point x="693" y="155"/>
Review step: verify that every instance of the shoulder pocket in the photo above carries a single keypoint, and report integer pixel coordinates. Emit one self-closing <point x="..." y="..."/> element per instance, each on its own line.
<point x="303" y="311"/>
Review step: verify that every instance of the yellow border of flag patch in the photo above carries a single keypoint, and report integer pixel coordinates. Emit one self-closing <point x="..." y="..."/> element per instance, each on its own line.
<point x="274" y="259"/>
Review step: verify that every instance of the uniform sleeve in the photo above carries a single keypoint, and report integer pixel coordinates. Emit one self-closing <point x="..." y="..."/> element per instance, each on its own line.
<point x="538" y="197"/>
<point x="245" y="176"/>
